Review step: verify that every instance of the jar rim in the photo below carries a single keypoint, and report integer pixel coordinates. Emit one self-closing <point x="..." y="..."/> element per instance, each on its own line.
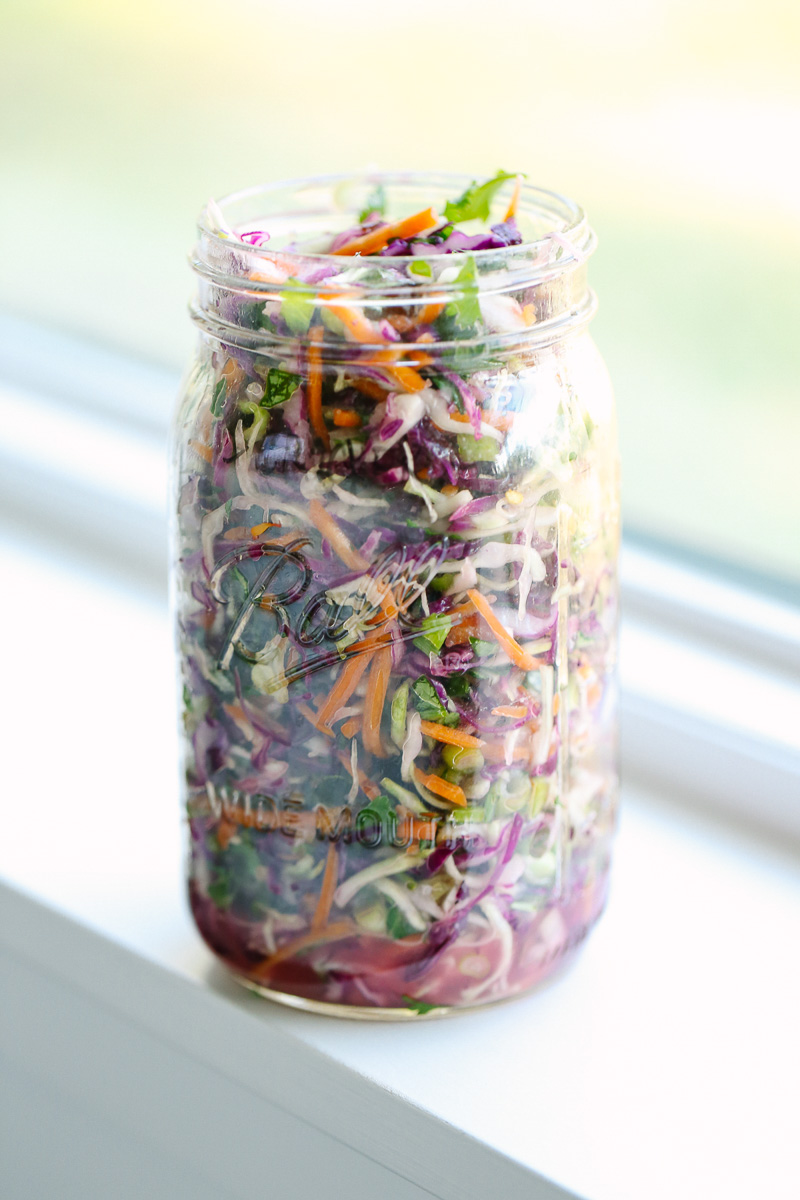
<point x="565" y="246"/>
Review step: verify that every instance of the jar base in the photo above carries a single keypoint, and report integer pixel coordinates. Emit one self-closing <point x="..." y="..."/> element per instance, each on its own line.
<point x="365" y="1012"/>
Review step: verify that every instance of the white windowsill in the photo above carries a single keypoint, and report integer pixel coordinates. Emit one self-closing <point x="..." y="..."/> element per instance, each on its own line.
<point x="662" y="1064"/>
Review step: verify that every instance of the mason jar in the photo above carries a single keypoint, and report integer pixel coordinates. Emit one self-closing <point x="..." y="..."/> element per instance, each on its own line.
<point x="395" y="543"/>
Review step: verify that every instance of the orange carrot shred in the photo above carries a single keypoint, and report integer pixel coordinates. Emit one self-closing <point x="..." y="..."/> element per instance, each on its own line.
<point x="311" y="716"/>
<point x="360" y="328"/>
<point x="452" y="737"/>
<point x="511" y="211"/>
<point x="334" y="535"/>
<point x="345" y="685"/>
<point x="441" y="787"/>
<point x="338" y="929"/>
<point x="327" y="889"/>
<point x="371" y="388"/>
<point x="370" y="243"/>
<point x="504" y="639"/>
<point x="346" y="418"/>
<point x="373" y="701"/>
<point x="314" y="387"/>
<point x="429" y="312"/>
<point x="204" y="451"/>
<point x="369" y="789"/>
<point x="509" y="710"/>
<point x="350" y="727"/>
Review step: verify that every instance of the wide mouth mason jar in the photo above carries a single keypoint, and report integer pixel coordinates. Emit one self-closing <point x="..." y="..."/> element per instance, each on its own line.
<point x="395" y="541"/>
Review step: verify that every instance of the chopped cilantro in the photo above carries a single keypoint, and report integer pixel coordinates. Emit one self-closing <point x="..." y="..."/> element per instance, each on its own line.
<point x="280" y="386"/>
<point x="297" y="308"/>
<point x="429" y="706"/>
<point x="419" y="1006"/>
<point x="476" y="200"/>
<point x="463" y="314"/>
<point x="375" y="203"/>
<point x="481" y="648"/>
<point x="220" y="893"/>
<point x="379" y="809"/>
<point x="218" y="400"/>
<point x="436" y="628"/>
<point x="397" y="926"/>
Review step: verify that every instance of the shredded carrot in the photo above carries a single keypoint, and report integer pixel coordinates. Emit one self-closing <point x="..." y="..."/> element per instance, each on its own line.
<point x="429" y="312"/>
<point x="338" y="929"/>
<point x="314" y="388"/>
<point x="529" y="314"/>
<point x="199" y="448"/>
<point x="502" y="421"/>
<point x="346" y="418"/>
<point x="257" y="530"/>
<point x="509" y="710"/>
<point x="406" y="378"/>
<point x="413" y="829"/>
<point x="232" y="373"/>
<point x="453" y="737"/>
<point x="225" y="831"/>
<point x="369" y="243"/>
<point x="374" y="700"/>
<point x="518" y="656"/>
<point x="334" y="535"/>
<point x="311" y="716"/>
<point x="282" y="539"/>
<point x="346" y="552"/>
<point x="350" y="727"/>
<point x="449" y="489"/>
<point x="360" y="328"/>
<point x="495" y="752"/>
<point x="327" y="888"/>
<point x="369" y="789"/>
<point x="556" y="704"/>
<point x="371" y="388"/>
<point x="237" y="533"/>
<point x="440" y="787"/>
<point x="345" y="685"/>
<point x="511" y="211"/>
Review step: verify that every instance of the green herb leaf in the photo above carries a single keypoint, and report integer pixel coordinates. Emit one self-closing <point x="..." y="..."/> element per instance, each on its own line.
<point x="481" y="648"/>
<point x="476" y="200"/>
<point x="297" y="308"/>
<point x="218" y="399"/>
<point x="380" y="809"/>
<point x="428" y="704"/>
<point x="280" y="386"/>
<point x="420" y="267"/>
<point x="465" y="313"/>
<point x="376" y="203"/>
<point x="219" y="892"/>
<point x="396" y="924"/>
<point x="419" y="1006"/>
<point x="436" y="628"/>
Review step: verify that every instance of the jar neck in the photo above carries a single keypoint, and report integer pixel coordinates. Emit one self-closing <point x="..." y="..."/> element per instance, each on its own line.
<point x="492" y="302"/>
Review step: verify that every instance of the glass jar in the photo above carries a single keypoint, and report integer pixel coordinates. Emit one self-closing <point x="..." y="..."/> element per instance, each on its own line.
<point x="395" y="543"/>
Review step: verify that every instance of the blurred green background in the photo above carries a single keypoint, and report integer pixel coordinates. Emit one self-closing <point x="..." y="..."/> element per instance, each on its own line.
<point x="675" y="124"/>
